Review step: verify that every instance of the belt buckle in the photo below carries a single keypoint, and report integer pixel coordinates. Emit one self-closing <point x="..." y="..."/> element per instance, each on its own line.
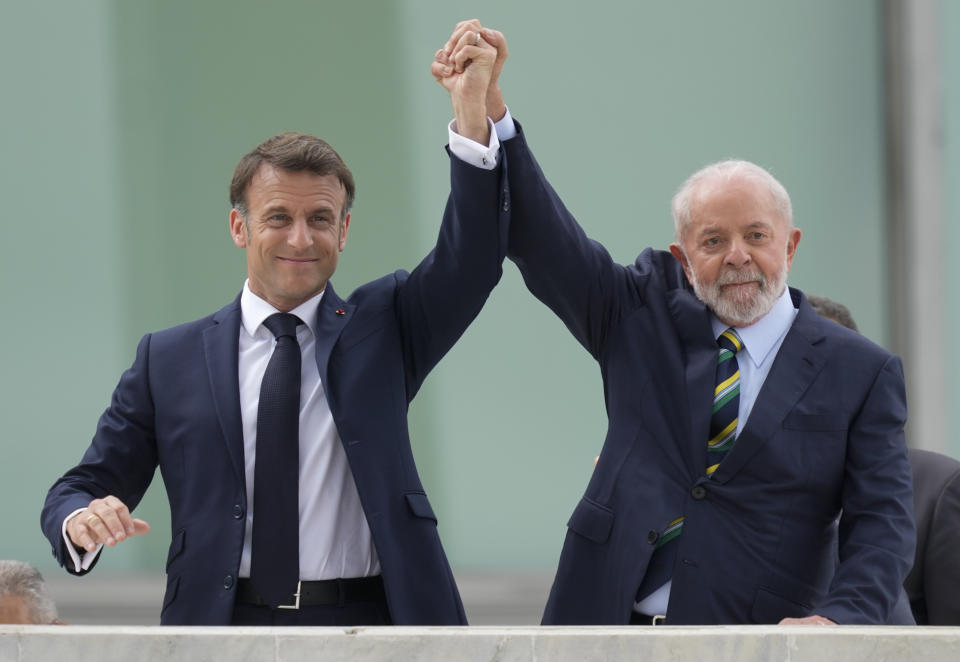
<point x="659" y="618"/>
<point x="296" y="600"/>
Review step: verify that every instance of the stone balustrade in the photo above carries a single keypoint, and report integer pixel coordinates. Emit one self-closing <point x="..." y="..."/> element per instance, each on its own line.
<point x="79" y="643"/>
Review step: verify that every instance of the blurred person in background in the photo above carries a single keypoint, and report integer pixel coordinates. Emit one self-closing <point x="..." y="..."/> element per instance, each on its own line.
<point x="23" y="596"/>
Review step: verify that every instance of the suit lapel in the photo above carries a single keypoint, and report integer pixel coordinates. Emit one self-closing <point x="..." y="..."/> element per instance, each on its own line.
<point x="795" y="366"/>
<point x="696" y="337"/>
<point x="333" y="313"/>
<point x="221" y="349"/>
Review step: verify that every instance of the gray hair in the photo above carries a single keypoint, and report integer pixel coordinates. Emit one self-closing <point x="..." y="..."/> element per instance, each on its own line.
<point x="832" y="310"/>
<point x="22" y="580"/>
<point x="725" y="171"/>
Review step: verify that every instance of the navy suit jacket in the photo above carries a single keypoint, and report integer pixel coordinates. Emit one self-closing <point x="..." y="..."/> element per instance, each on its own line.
<point x="178" y="407"/>
<point x="933" y="584"/>
<point x="759" y="541"/>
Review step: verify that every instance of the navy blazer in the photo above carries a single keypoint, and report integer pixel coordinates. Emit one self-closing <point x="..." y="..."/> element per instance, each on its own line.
<point x="178" y="407"/>
<point x="759" y="541"/>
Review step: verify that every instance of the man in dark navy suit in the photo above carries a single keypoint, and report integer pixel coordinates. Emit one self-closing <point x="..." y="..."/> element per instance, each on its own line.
<point x="741" y="423"/>
<point x="362" y="534"/>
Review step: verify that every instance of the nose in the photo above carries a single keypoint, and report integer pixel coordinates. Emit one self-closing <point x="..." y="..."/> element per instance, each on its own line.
<point x="299" y="236"/>
<point x="737" y="255"/>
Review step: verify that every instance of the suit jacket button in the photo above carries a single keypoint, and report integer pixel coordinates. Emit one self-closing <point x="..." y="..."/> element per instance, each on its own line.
<point x="698" y="492"/>
<point x="237" y="511"/>
<point x="228" y="582"/>
<point x="653" y="537"/>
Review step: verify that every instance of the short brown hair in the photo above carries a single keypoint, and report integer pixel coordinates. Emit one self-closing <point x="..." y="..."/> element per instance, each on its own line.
<point x="294" y="152"/>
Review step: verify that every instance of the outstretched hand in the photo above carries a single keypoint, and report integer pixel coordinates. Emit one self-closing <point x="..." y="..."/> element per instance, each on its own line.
<point x="106" y="521"/>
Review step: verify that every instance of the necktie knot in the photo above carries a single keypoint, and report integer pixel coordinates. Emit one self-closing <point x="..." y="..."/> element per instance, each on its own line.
<point x="730" y="340"/>
<point x="282" y="324"/>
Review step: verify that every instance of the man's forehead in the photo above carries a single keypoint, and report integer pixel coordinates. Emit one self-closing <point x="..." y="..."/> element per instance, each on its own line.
<point x="272" y="181"/>
<point x="737" y="193"/>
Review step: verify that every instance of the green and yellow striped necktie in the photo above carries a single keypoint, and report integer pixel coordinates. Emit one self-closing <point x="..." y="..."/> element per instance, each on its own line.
<point x="726" y="400"/>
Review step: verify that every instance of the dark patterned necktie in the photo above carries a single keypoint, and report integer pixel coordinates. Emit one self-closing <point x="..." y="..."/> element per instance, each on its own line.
<point x="275" y="554"/>
<point x="726" y="400"/>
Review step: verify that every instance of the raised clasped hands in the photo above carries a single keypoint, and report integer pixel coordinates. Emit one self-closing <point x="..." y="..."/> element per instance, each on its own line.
<point x="105" y="521"/>
<point x="468" y="66"/>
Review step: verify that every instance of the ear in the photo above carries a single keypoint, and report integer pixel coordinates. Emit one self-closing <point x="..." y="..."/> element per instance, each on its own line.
<point x="238" y="229"/>
<point x="677" y="251"/>
<point x="344" y="226"/>
<point x="793" y="240"/>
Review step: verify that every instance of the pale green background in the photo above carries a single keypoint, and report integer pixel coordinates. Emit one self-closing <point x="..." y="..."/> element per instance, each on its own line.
<point x="122" y="121"/>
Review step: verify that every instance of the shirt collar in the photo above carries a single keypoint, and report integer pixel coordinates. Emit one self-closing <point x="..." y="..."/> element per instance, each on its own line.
<point x="762" y="336"/>
<point x="253" y="310"/>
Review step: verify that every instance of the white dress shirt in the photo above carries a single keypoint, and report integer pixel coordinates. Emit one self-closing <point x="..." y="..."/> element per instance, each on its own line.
<point x="335" y="539"/>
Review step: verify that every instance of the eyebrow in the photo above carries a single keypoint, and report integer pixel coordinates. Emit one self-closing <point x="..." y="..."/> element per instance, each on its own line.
<point x="326" y="209"/>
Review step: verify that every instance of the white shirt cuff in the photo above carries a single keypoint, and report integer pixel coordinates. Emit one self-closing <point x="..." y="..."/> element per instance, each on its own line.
<point x="79" y="562"/>
<point x="472" y="152"/>
<point x="476" y="154"/>
<point x="505" y="127"/>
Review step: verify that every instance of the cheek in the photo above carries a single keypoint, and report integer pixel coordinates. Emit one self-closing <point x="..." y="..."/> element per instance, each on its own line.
<point x="774" y="261"/>
<point x="705" y="268"/>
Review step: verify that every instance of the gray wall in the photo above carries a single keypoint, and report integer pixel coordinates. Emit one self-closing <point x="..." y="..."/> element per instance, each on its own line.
<point x="122" y="122"/>
<point x="950" y="109"/>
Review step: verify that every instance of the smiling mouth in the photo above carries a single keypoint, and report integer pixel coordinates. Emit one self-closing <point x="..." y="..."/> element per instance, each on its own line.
<point x="298" y="260"/>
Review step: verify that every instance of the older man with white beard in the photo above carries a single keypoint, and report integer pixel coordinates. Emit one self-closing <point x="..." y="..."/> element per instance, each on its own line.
<point x="741" y="423"/>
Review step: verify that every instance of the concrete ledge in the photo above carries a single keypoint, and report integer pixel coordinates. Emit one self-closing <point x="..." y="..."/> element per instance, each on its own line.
<point x="479" y="644"/>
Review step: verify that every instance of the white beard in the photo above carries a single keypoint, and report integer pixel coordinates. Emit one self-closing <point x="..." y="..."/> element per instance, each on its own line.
<point x="740" y="307"/>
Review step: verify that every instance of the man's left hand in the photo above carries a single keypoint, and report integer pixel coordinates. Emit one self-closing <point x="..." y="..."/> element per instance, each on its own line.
<point x="807" y="620"/>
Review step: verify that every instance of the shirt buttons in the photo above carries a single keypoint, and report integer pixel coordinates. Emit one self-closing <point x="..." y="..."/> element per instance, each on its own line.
<point x="237" y="511"/>
<point x="653" y="537"/>
<point x="698" y="492"/>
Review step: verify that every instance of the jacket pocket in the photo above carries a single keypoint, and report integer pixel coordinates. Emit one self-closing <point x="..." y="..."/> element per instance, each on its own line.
<point x="420" y="506"/>
<point x="592" y="521"/>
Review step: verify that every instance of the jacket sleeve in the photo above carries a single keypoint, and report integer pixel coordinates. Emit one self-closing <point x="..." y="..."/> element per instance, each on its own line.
<point x="120" y="461"/>
<point x="445" y="292"/>
<point x="877" y="534"/>
<point x="570" y="273"/>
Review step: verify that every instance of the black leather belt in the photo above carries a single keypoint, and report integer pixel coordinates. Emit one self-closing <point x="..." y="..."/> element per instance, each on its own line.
<point x="636" y="618"/>
<point x="319" y="593"/>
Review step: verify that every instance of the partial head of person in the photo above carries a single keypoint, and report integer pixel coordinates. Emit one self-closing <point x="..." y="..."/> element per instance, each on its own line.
<point x="23" y="595"/>
<point x="832" y="310"/>
<point x="735" y="239"/>
<point x="291" y="198"/>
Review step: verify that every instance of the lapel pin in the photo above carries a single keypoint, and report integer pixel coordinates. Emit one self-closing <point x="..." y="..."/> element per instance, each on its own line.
<point x="341" y="311"/>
